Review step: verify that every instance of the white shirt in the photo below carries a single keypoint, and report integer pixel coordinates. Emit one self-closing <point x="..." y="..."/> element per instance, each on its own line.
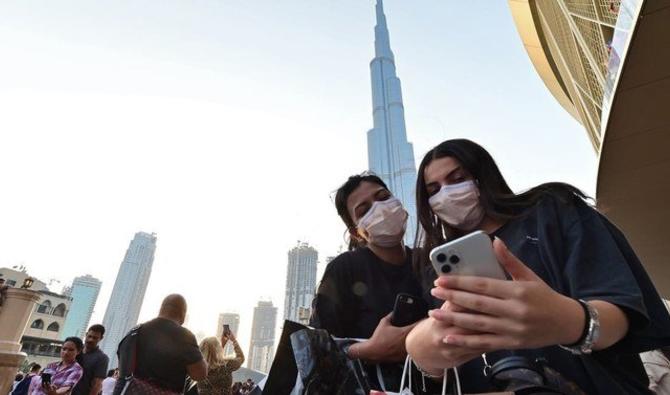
<point x="658" y="370"/>
<point x="108" y="385"/>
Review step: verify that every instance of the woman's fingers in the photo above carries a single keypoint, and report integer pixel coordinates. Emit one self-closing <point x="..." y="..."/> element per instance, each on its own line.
<point x="473" y="301"/>
<point x="501" y="289"/>
<point x="479" y="323"/>
<point x="513" y="265"/>
<point x="486" y="341"/>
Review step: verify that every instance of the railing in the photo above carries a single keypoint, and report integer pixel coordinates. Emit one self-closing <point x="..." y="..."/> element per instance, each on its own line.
<point x="625" y="23"/>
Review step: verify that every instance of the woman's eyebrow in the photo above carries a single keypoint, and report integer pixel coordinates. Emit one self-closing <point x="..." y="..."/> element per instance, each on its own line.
<point x="457" y="168"/>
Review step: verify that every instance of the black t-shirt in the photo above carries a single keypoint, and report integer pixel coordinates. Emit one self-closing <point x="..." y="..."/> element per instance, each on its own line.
<point x="94" y="364"/>
<point x="579" y="253"/>
<point x="164" y="349"/>
<point x="357" y="290"/>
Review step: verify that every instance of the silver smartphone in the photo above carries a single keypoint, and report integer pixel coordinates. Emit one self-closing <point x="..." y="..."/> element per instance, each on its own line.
<point x="470" y="255"/>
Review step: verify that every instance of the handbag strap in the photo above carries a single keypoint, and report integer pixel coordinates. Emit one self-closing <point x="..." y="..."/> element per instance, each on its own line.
<point x="133" y="336"/>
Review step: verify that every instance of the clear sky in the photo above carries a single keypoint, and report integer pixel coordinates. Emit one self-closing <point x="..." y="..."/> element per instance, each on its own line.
<point x="224" y="125"/>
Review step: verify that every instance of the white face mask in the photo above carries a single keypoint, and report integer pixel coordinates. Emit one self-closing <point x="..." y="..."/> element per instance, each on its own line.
<point x="384" y="223"/>
<point x="458" y="205"/>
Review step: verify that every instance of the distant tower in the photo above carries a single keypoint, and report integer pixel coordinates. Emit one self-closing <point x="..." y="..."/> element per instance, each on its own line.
<point x="125" y="303"/>
<point x="261" y="348"/>
<point x="233" y="320"/>
<point x="390" y="155"/>
<point x="300" y="282"/>
<point x="84" y="293"/>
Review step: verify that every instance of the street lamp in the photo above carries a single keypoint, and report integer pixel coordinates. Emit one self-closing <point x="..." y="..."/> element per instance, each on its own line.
<point x="27" y="283"/>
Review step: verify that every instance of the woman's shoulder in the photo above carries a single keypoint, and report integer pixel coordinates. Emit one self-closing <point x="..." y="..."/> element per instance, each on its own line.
<point x="53" y="365"/>
<point x="349" y="258"/>
<point x="562" y="200"/>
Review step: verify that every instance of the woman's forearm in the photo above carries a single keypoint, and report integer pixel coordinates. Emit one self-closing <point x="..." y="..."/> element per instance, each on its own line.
<point x="613" y="324"/>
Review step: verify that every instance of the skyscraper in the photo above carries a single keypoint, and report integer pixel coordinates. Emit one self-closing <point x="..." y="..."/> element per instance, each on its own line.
<point x="390" y="155"/>
<point x="232" y="320"/>
<point x="84" y="293"/>
<point x="261" y="347"/>
<point x="128" y="293"/>
<point x="300" y="282"/>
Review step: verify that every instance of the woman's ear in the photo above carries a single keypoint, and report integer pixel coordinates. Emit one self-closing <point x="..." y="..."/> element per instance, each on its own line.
<point x="356" y="236"/>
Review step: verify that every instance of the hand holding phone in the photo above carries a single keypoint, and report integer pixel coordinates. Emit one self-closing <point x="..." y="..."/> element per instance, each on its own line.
<point x="46" y="379"/>
<point x="407" y="310"/>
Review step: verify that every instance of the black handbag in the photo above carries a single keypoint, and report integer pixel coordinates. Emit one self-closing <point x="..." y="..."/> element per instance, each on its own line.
<point x="128" y="384"/>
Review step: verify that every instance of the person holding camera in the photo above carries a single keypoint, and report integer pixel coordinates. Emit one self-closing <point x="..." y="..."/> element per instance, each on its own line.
<point x="220" y="376"/>
<point x="359" y="287"/>
<point x="60" y="377"/>
<point x="579" y="306"/>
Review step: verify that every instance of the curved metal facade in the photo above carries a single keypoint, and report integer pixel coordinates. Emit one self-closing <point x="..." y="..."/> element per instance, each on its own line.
<point x="607" y="63"/>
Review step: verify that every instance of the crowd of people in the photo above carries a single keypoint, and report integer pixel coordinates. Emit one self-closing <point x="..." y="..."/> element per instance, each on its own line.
<point x="159" y="356"/>
<point x="576" y="309"/>
<point x="243" y="388"/>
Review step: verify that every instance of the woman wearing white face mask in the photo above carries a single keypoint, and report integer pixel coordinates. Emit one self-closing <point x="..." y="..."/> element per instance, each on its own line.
<point x="359" y="287"/>
<point x="579" y="300"/>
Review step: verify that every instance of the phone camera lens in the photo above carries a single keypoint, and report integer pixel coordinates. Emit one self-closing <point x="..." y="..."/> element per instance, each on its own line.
<point x="441" y="258"/>
<point x="454" y="259"/>
<point x="446" y="268"/>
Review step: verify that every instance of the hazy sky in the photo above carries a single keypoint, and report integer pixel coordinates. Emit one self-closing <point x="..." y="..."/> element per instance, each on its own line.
<point x="223" y="126"/>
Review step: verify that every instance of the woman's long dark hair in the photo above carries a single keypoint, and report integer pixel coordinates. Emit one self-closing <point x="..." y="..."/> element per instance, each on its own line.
<point x="341" y="197"/>
<point x="496" y="197"/>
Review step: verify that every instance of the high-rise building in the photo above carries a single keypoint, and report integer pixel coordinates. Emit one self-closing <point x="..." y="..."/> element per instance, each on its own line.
<point x="390" y="155"/>
<point x="84" y="293"/>
<point x="128" y="293"/>
<point x="607" y="63"/>
<point x="300" y="282"/>
<point x="232" y="320"/>
<point x="261" y="347"/>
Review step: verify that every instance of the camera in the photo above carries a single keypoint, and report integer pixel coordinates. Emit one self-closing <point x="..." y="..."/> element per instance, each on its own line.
<point x="46" y="378"/>
<point x="443" y="258"/>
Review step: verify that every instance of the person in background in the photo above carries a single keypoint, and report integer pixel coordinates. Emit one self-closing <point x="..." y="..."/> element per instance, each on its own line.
<point x="219" y="380"/>
<point x="359" y="287"/>
<point x="22" y="387"/>
<point x="65" y="374"/>
<point x="578" y="297"/>
<point x="94" y="362"/>
<point x="165" y="353"/>
<point x="109" y="382"/>
<point x="17" y="379"/>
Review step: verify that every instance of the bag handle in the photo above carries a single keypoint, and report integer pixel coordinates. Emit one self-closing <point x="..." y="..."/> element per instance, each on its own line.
<point x="407" y="372"/>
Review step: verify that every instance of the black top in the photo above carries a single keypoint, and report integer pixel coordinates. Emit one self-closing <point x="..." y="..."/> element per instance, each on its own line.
<point x="579" y="253"/>
<point x="164" y="349"/>
<point x="357" y="290"/>
<point x="94" y="364"/>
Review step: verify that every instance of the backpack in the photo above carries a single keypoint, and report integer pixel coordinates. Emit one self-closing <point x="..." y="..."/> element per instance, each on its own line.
<point x="23" y="386"/>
